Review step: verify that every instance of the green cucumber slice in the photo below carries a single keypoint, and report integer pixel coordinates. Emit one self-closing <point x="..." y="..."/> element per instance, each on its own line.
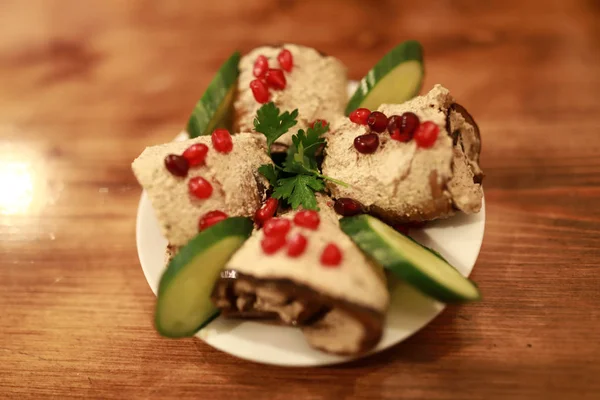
<point x="396" y="78"/>
<point x="417" y="265"/>
<point x="183" y="305"/>
<point x="214" y="109"/>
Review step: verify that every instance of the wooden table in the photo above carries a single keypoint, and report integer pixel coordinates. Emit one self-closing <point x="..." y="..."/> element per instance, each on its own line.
<point x="86" y="85"/>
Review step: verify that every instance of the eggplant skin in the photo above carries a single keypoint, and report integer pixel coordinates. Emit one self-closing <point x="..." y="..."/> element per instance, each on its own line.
<point x="469" y="118"/>
<point x="473" y="152"/>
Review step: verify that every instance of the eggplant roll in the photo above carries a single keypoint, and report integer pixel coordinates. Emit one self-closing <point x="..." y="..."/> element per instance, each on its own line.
<point x="340" y="309"/>
<point x="237" y="187"/>
<point x="401" y="182"/>
<point x="316" y="85"/>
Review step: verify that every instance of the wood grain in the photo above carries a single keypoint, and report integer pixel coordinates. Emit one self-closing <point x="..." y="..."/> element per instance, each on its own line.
<point x="86" y="85"/>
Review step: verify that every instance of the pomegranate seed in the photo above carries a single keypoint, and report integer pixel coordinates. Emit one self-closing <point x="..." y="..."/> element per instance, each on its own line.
<point x="211" y="218"/>
<point x="360" y="116"/>
<point x="275" y="79"/>
<point x="377" y="121"/>
<point x="331" y="256"/>
<point x="200" y="187"/>
<point x="260" y="91"/>
<point x="177" y="165"/>
<point x="286" y="60"/>
<point x="196" y="154"/>
<point x="402" y="128"/>
<point x="409" y="122"/>
<point x="308" y="219"/>
<point x="426" y="134"/>
<point x="322" y="121"/>
<point x="296" y="245"/>
<point x="221" y="140"/>
<point x="366" y="144"/>
<point x="266" y="212"/>
<point x="270" y="244"/>
<point x="394" y="129"/>
<point x="277" y="227"/>
<point x="260" y="66"/>
<point x="347" y="207"/>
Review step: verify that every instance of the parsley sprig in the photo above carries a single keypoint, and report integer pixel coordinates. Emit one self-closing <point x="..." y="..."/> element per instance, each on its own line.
<point x="299" y="178"/>
<point x="272" y="124"/>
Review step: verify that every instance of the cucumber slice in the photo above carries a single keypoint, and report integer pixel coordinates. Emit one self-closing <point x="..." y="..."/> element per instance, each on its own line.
<point x="214" y="109"/>
<point x="183" y="305"/>
<point x="416" y="264"/>
<point x="396" y="78"/>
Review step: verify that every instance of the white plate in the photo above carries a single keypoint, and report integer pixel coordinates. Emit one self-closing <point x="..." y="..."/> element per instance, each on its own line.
<point x="458" y="239"/>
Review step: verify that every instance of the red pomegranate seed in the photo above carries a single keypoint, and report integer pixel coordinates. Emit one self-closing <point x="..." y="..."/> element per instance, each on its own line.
<point x="275" y="79"/>
<point x="402" y="127"/>
<point x="331" y="256"/>
<point x="360" y="116"/>
<point x="200" y="187"/>
<point x="277" y="227"/>
<point x="211" y="218"/>
<point x="260" y="66"/>
<point x="270" y="244"/>
<point x="322" y="121"/>
<point x="260" y="91"/>
<point x="221" y="140"/>
<point x="393" y="127"/>
<point x="426" y="134"/>
<point x="196" y="154"/>
<point x="266" y="212"/>
<point x="366" y="144"/>
<point x="307" y="219"/>
<point x="347" y="207"/>
<point x="296" y="245"/>
<point x="409" y="122"/>
<point x="177" y="165"/>
<point x="286" y="60"/>
<point x="377" y="121"/>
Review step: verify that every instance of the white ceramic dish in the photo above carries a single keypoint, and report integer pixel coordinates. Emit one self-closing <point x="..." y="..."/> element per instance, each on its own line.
<point x="458" y="239"/>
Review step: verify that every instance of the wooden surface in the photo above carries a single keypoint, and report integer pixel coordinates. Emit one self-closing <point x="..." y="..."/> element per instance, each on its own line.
<point x="86" y="85"/>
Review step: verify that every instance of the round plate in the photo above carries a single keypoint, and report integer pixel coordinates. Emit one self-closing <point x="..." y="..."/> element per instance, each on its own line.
<point x="458" y="239"/>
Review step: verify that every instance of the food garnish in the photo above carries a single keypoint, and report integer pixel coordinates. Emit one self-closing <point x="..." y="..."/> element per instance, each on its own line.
<point x="184" y="305"/>
<point x="267" y="211"/>
<point x="331" y="256"/>
<point x="367" y="143"/>
<point x="419" y="266"/>
<point x="215" y="107"/>
<point x="396" y="78"/>
<point x="307" y="219"/>
<point x="177" y="165"/>
<point x="299" y="178"/>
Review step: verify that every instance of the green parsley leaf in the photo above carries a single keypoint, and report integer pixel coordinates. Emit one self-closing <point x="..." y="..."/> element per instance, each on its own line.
<point x="272" y="124"/>
<point x="301" y="157"/>
<point x="298" y="163"/>
<point x="299" y="190"/>
<point x="299" y="179"/>
<point x="270" y="172"/>
<point x="311" y="139"/>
